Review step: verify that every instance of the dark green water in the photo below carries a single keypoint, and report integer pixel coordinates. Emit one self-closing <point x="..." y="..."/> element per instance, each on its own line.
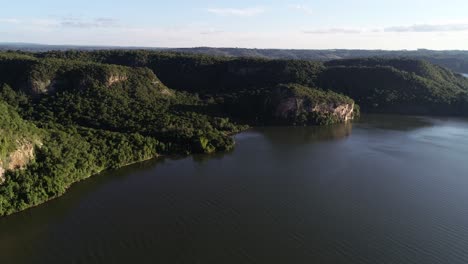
<point x="384" y="190"/>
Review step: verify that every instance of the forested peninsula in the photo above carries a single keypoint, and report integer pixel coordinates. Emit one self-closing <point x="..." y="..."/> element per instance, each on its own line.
<point x="68" y="115"/>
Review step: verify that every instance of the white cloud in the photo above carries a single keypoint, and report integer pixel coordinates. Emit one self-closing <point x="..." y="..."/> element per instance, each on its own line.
<point x="10" y="20"/>
<point x="67" y="22"/>
<point x="236" y="11"/>
<point x="109" y="31"/>
<point x="192" y="37"/>
<point x="334" y="31"/>
<point x="302" y="8"/>
<point x="101" y="22"/>
<point x="417" y="28"/>
<point x="424" y="28"/>
<point x="42" y="22"/>
<point x="211" y="31"/>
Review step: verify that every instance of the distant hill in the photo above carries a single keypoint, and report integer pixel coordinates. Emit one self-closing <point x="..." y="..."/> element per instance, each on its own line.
<point x="456" y="60"/>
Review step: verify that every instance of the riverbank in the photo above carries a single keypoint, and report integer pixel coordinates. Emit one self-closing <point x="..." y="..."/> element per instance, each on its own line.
<point x="302" y="194"/>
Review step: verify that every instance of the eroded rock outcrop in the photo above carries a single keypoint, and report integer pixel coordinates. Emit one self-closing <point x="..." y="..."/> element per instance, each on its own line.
<point x="299" y="105"/>
<point x="293" y="107"/>
<point x="116" y="78"/>
<point x="41" y="86"/>
<point x="17" y="159"/>
<point x="2" y="172"/>
<point x="343" y="111"/>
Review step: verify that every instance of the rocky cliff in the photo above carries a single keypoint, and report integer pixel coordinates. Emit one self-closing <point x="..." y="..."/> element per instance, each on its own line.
<point x="41" y="86"/>
<point x="299" y="105"/>
<point x="18" y="138"/>
<point x="115" y="78"/>
<point x="18" y="159"/>
<point x="293" y="107"/>
<point x="2" y="172"/>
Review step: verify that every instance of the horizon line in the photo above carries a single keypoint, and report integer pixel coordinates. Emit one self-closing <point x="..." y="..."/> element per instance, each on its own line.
<point x="209" y="47"/>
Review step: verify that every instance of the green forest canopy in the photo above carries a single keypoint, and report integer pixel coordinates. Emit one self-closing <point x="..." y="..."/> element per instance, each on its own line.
<point x="104" y="109"/>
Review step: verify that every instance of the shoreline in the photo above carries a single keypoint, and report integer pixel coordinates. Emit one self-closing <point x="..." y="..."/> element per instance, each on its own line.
<point x="82" y="180"/>
<point x="232" y="135"/>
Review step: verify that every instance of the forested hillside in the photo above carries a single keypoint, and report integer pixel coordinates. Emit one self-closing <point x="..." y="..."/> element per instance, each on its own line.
<point x="404" y="86"/>
<point x="79" y="118"/>
<point x="398" y="86"/>
<point x="73" y="114"/>
<point x="455" y="60"/>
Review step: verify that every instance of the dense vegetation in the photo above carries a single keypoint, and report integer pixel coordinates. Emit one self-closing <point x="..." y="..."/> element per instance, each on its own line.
<point x="455" y="60"/>
<point x="398" y="86"/>
<point x="377" y="84"/>
<point x="304" y="99"/>
<point x="89" y="111"/>
<point x="13" y="129"/>
<point x="90" y="117"/>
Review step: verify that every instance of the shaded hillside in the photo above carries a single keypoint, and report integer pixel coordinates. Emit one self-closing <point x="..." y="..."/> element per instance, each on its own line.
<point x="68" y="115"/>
<point x="199" y="73"/>
<point x="405" y="86"/>
<point x="398" y="86"/>
<point x="456" y="60"/>
<point x="90" y="117"/>
<point x="453" y="59"/>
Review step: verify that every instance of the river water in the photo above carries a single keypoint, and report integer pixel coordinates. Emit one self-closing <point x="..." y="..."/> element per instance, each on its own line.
<point x="387" y="189"/>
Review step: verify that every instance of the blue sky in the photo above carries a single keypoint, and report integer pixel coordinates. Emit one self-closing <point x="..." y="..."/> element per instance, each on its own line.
<point x="365" y="24"/>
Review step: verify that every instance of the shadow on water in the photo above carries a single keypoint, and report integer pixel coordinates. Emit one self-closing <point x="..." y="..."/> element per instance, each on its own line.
<point x="202" y="158"/>
<point x="35" y="222"/>
<point x="58" y="208"/>
<point x="284" y="135"/>
<point x="349" y="193"/>
<point x="394" y="122"/>
<point x="306" y="135"/>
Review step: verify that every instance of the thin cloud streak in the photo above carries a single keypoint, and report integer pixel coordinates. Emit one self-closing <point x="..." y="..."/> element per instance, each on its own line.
<point x="10" y="20"/>
<point x="334" y="31"/>
<point x="110" y="31"/>
<point x="102" y="22"/>
<point x="418" y="28"/>
<point x="245" y="12"/>
<point x="425" y="28"/>
<point x="211" y="32"/>
<point x="69" y="22"/>
<point x="302" y="8"/>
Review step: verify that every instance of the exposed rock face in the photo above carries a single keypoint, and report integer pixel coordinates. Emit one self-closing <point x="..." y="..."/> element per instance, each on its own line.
<point x="21" y="156"/>
<point x="41" y="86"/>
<point x="115" y="78"/>
<point x="18" y="159"/>
<point x="166" y="91"/>
<point x="161" y="87"/>
<point x="290" y="108"/>
<point x="2" y="172"/>
<point x="344" y="112"/>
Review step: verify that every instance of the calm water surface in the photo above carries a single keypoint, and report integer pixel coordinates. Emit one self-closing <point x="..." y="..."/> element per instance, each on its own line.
<point x="384" y="190"/>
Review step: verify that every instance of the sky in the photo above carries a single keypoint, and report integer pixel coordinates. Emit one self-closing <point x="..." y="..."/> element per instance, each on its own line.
<point x="324" y="24"/>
